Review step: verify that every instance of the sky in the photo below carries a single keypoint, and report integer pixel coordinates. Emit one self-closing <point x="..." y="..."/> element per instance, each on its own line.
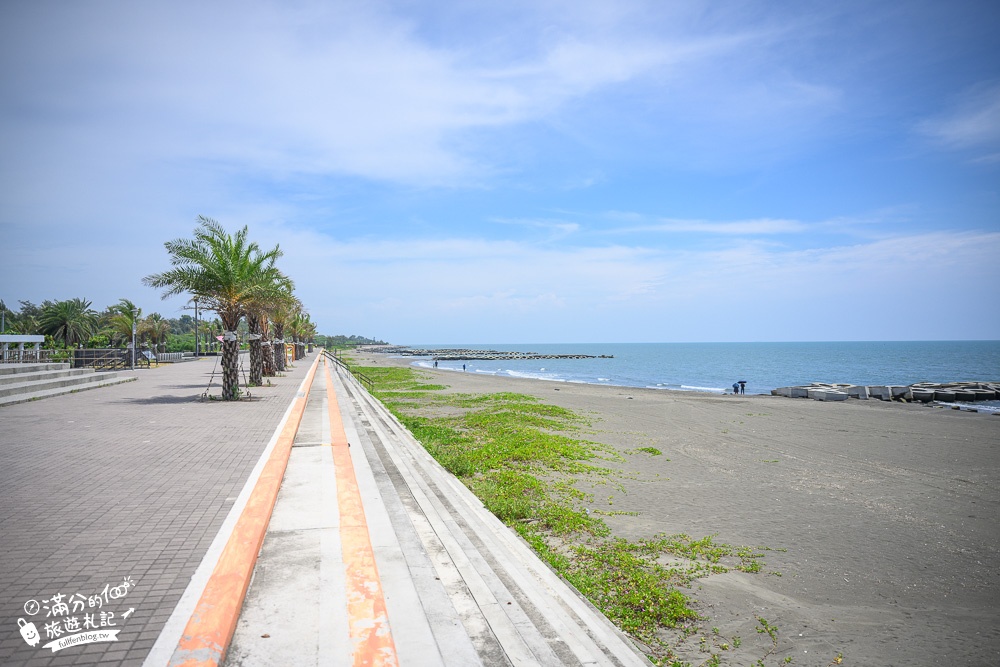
<point x="520" y="171"/>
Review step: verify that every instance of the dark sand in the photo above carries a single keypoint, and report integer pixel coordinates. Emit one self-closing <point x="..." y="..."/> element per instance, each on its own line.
<point x="890" y="514"/>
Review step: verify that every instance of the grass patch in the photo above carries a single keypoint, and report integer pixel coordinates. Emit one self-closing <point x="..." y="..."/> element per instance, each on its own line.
<point x="523" y="459"/>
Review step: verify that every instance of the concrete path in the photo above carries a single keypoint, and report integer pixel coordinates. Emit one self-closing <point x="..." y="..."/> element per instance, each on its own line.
<point x="130" y="482"/>
<point x="154" y="506"/>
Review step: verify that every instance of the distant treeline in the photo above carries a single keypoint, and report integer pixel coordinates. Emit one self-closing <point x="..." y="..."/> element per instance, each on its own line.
<point x="347" y="341"/>
<point x="73" y="322"/>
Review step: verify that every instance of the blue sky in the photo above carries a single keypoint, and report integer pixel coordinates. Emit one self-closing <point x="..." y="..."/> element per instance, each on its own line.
<point x="529" y="172"/>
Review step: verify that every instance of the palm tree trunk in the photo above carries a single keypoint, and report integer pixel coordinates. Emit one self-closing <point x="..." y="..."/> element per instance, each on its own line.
<point x="230" y="370"/>
<point x="279" y="347"/>
<point x="230" y="358"/>
<point x="266" y="359"/>
<point x="256" y="360"/>
<point x="267" y="353"/>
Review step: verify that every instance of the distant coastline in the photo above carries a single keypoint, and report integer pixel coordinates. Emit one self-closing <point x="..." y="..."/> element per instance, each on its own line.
<point x="714" y="367"/>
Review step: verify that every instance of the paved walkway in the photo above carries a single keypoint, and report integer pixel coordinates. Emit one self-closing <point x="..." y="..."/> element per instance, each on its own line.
<point x="374" y="555"/>
<point x="126" y="482"/>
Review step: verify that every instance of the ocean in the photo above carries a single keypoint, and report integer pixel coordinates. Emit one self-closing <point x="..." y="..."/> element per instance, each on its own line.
<point x="714" y="367"/>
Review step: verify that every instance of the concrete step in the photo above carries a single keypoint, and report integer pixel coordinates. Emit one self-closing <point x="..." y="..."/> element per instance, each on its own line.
<point x="459" y="587"/>
<point x="42" y="375"/>
<point x="21" y="392"/>
<point x="14" y="369"/>
<point x="510" y="600"/>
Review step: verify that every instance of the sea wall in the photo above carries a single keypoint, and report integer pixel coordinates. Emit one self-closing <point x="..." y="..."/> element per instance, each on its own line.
<point x="921" y="392"/>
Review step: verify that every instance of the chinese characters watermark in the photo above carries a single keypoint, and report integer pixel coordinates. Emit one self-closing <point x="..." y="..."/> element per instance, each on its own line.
<point x="77" y="619"/>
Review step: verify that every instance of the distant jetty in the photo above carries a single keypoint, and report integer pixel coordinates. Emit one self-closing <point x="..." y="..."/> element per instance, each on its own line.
<point x="921" y="392"/>
<point x="463" y="354"/>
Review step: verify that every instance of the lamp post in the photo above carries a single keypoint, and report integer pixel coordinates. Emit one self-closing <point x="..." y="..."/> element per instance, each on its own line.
<point x="135" y="314"/>
<point x="196" y="332"/>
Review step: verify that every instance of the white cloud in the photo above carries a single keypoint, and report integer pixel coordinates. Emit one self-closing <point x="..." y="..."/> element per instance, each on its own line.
<point x="351" y="91"/>
<point x="972" y="121"/>
<point x="556" y="229"/>
<point x="758" y="227"/>
<point x="474" y="290"/>
<point x="357" y="89"/>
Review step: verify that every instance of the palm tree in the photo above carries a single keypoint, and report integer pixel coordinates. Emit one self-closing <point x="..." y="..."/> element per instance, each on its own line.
<point x="226" y="273"/>
<point x="301" y="327"/>
<point x="125" y="314"/>
<point x="281" y="315"/>
<point x="273" y="290"/>
<point x="214" y="332"/>
<point x="157" y="328"/>
<point x="70" y="321"/>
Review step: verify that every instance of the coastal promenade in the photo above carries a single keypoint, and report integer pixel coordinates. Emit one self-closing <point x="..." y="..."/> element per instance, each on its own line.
<point x="112" y="497"/>
<point x="139" y="510"/>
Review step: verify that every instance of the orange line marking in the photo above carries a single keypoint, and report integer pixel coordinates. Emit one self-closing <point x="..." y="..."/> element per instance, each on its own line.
<point x="368" y="621"/>
<point x="210" y="629"/>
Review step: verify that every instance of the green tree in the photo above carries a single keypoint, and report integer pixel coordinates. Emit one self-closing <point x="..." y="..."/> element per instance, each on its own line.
<point x="26" y="319"/>
<point x="121" y="321"/>
<point x="69" y="322"/>
<point x="275" y="287"/>
<point x="157" y="329"/>
<point x="283" y="312"/>
<point x="227" y="273"/>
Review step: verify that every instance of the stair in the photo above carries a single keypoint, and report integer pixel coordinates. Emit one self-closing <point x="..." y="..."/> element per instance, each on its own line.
<point x="455" y="587"/>
<point x="512" y="606"/>
<point x="28" y="382"/>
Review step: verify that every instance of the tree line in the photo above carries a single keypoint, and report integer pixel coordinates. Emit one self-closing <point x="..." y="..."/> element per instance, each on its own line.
<point x="75" y="323"/>
<point x="232" y="276"/>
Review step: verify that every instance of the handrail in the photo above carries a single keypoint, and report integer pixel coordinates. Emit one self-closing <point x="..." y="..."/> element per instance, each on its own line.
<point x="358" y="375"/>
<point x="107" y="359"/>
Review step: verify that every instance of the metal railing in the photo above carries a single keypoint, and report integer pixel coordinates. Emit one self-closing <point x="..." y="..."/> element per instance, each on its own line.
<point x="357" y="375"/>
<point x="32" y="356"/>
<point x="108" y="359"/>
<point x="173" y="356"/>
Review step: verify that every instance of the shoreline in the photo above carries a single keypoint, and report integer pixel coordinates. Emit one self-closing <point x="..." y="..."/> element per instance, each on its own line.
<point x="713" y="368"/>
<point x="882" y="516"/>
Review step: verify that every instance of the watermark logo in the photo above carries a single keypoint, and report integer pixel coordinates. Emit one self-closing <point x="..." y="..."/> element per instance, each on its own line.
<point x="76" y="619"/>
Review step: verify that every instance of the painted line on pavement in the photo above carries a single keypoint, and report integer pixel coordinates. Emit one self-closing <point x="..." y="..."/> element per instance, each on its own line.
<point x="371" y="637"/>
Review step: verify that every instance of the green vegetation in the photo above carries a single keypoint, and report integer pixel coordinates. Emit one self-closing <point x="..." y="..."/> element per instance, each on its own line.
<point x="527" y="462"/>
<point x="344" y="342"/>
<point x="74" y="323"/>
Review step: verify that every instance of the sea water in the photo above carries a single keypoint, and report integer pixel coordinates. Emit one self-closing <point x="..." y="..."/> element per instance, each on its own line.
<point x="714" y="367"/>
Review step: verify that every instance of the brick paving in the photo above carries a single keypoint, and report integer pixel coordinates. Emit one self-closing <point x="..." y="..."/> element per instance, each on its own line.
<point x="131" y="481"/>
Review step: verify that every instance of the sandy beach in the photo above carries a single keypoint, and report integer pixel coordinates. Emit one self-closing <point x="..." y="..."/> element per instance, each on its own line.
<point x="883" y="518"/>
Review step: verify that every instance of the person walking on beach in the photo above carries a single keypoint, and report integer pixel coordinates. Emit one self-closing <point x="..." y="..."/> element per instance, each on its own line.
<point x="463" y="368"/>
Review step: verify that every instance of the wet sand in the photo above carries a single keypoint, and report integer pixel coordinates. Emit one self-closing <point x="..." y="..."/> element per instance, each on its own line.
<point x="888" y="514"/>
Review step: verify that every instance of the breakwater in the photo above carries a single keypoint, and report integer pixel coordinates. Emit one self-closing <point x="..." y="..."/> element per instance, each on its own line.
<point x="921" y="392"/>
<point x="466" y="354"/>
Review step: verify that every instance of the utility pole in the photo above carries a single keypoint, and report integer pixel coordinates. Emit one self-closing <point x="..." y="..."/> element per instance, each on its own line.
<point x="135" y="314"/>
<point x="196" y="332"/>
